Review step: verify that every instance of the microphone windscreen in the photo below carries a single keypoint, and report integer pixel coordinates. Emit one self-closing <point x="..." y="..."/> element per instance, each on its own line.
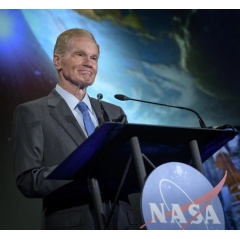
<point x="120" y="97"/>
<point x="99" y="96"/>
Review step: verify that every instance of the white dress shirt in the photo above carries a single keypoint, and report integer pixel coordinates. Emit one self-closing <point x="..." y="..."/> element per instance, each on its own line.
<point x="72" y="102"/>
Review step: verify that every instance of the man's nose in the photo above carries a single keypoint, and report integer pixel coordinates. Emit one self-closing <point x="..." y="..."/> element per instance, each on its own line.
<point x="87" y="61"/>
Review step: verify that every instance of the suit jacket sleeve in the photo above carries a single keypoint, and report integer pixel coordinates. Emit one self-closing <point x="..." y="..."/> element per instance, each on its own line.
<point x="28" y="155"/>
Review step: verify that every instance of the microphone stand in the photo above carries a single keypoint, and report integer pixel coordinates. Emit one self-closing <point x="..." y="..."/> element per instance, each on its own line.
<point x="123" y="98"/>
<point x="104" y="113"/>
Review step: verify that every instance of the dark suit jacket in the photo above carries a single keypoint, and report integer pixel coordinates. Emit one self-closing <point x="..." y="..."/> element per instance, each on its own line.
<point x="45" y="132"/>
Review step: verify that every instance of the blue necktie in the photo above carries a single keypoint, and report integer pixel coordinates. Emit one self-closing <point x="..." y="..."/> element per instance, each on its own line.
<point x="89" y="126"/>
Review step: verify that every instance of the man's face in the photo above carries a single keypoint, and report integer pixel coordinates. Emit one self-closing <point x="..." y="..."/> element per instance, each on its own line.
<point x="79" y="63"/>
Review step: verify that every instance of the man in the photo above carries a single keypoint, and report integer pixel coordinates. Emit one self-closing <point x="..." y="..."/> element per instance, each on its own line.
<point x="46" y="131"/>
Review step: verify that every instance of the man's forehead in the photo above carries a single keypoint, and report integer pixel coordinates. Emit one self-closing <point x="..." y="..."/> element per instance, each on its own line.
<point x="82" y="42"/>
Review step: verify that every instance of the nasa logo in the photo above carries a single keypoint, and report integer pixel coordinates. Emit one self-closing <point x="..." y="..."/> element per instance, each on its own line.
<point x="176" y="197"/>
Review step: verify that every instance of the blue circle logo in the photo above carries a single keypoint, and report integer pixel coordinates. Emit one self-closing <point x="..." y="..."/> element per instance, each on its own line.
<point x="178" y="197"/>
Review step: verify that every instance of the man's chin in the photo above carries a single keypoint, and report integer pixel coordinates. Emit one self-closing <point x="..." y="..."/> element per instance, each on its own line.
<point x="88" y="81"/>
<point x="83" y="83"/>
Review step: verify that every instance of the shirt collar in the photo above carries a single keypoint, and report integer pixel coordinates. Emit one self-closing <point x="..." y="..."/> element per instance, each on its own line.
<point x="71" y="100"/>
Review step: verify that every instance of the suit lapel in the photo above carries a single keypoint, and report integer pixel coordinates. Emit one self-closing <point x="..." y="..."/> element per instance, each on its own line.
<point x="64" y="117"/>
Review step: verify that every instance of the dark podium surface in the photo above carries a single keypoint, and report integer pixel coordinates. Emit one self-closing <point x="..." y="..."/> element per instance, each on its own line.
<point x="104" y="155"/>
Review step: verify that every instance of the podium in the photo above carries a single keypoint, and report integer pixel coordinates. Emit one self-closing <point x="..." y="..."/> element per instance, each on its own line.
<point x="108" y="152"/>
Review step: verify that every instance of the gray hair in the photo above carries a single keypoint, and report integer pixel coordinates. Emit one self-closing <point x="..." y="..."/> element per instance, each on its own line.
<point x="64" y="37"/>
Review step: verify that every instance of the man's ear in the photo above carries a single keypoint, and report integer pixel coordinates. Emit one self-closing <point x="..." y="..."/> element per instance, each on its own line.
<point x="57" y="62"/>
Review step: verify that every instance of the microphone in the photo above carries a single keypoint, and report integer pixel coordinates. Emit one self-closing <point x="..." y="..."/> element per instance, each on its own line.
<point x="104" y="113"/>
<point x="123" y="98"/>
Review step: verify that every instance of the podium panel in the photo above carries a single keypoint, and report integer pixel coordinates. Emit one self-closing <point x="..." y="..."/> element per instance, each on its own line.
<point x="105" y="153"/>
